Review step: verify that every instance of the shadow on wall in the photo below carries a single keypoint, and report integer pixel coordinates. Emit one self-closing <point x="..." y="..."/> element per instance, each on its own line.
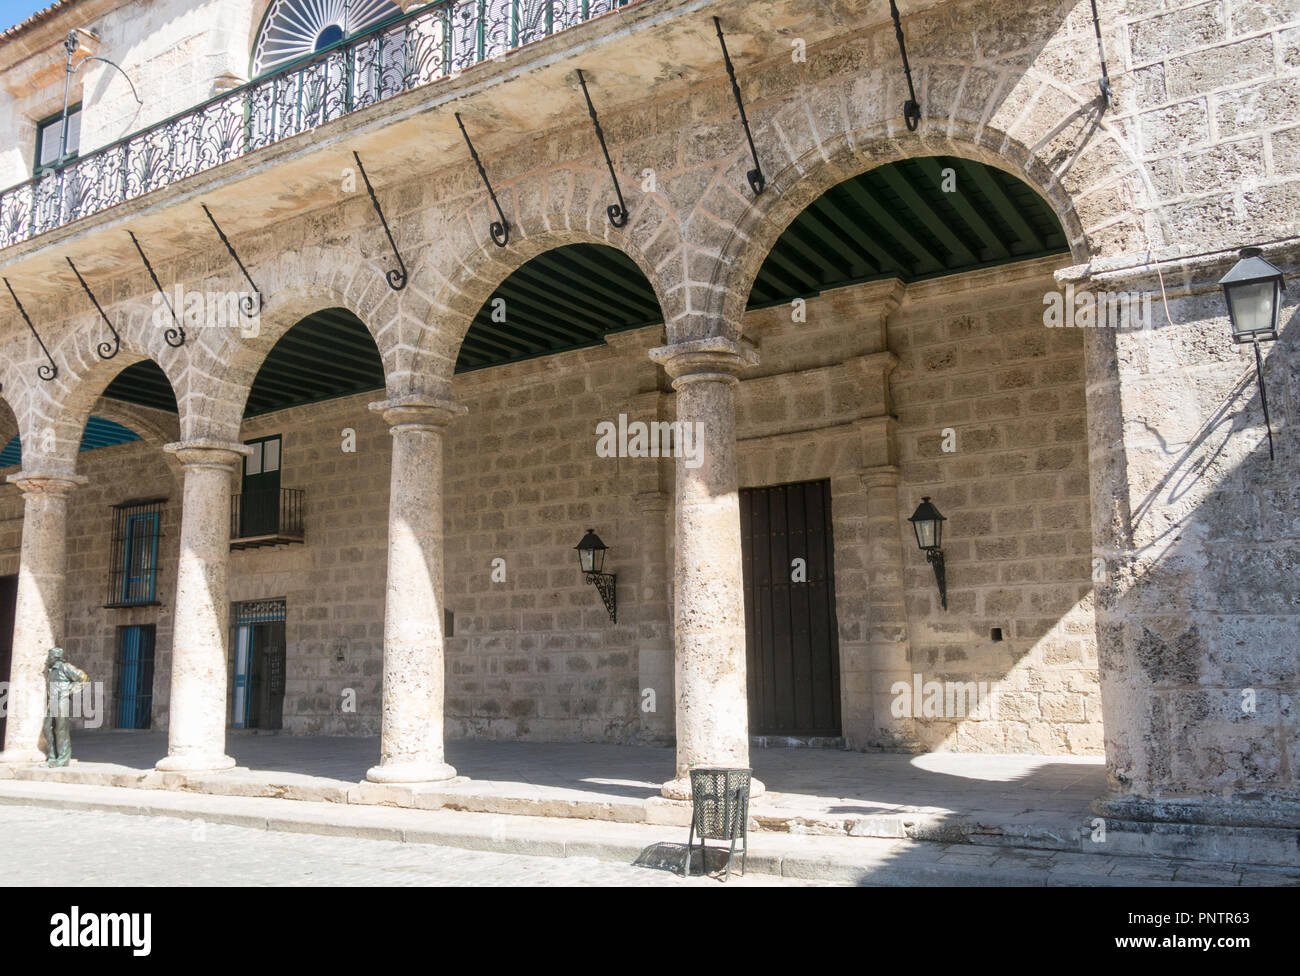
<point x="1198" y="625"/>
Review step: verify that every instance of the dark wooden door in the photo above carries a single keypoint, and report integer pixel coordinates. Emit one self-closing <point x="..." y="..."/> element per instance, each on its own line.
<point x="790" y="631"/>
<point x="8" y="604"/>
<point x="266" y="681"/>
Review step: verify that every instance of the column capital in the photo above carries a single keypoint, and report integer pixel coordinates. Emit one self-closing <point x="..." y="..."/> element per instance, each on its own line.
<point x="714" y="358"/>
<point x="204" y="452"/>
<point x="418" y="411"/>
<point x="42" y="483"/>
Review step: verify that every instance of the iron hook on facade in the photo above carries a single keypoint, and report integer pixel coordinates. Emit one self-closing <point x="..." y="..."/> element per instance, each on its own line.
<point x="45" y="372"/>
<point x="396" y="276"/>
<point x="105" y="349"/>
<point x="617" y="212"/>
<point x="911" y="107"/>
<point x="175" y="337"/>
<point x="250" y="305"/>
<point x="500" y="228"/>
<point x="757" y="182"/>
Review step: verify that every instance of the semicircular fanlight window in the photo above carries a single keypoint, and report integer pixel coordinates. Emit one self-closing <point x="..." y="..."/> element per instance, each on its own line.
<point x="295" y="29"/>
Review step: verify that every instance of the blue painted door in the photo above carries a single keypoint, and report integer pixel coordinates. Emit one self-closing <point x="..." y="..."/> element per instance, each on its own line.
<point x="135" y="676"/>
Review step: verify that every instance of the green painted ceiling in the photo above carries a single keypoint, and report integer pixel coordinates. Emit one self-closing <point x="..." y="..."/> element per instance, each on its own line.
<point x="894" y="221"/>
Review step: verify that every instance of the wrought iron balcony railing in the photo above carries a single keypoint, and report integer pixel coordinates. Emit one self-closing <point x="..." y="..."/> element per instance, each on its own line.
<point x="272" y="517"/>
<point x="429" y="44"/>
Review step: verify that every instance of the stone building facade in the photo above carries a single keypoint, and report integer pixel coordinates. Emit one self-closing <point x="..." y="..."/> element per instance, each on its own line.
<point x="1120" y="549"/>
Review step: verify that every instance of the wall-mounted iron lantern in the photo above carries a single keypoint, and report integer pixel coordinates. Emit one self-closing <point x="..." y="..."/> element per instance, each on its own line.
<point x="1253" y="289"/>
<point x="591" y="557"/>
<point x="71" y="44"/>
<point x="928" y="525"/>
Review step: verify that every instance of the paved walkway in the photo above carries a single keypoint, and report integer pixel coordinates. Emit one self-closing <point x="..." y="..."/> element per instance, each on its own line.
<point x="1046" y="793"/>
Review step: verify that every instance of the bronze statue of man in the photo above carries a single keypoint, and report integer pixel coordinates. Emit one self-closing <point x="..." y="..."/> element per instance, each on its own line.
<point x="63" y="681"/>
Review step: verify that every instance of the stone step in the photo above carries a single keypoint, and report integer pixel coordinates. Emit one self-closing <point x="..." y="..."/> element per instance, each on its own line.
<point x="770" y="814"/>
<point x="796" y="742"/>
<point x="774" y="813"/>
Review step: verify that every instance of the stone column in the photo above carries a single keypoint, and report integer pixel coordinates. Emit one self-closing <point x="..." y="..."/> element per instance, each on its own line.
<point x="712" y="709"/>
<point x="196" y="730"/>
<point x="411" y="749"/>
<point x="39" y="612"/>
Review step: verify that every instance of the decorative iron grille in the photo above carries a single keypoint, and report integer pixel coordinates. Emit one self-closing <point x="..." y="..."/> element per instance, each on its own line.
<point x="435" y="42"/>
<point x="133" y="566"/>
<point x="258" y="612"/>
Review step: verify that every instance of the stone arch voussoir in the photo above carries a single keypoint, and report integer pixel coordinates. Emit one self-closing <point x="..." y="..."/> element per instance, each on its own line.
<point x="225" y="361"/>
<point x="54" y="414"/>
<point x="845" y="140"/>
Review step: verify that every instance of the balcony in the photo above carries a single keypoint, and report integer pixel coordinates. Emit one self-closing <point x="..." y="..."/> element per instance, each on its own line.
<point x="266" y="518"/>
<point x="436" y="42"/>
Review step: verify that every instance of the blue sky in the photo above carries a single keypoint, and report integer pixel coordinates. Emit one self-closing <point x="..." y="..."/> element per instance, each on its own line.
<point x="16" y="11"/>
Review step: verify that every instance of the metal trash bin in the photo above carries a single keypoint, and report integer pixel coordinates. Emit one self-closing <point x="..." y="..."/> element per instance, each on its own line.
<point x="720" y="801"/>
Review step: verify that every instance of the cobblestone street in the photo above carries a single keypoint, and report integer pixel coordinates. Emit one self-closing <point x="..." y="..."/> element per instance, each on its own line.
<point x="40" y="846"/>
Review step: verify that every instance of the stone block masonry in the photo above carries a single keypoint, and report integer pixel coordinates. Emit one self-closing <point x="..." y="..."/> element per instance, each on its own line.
<point x="532" y="653"/>
<point x="1140" y="450"/>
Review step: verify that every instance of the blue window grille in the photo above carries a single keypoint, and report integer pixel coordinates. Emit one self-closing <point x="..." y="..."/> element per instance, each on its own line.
<point x="135" y="647"/>
<point x="133" y="577"/>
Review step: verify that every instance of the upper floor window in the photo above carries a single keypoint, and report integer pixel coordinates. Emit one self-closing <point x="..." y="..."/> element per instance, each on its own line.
<point x="294" y="29"/>
<point x="263" y="513"/>
<point x="49" y="136"/>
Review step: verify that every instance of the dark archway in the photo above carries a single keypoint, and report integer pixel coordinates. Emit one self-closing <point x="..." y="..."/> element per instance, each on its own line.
<point x="940" y="379"/>
<point x="913" y="220"/>
<point x="307" y="495"/>
<point x="558" y="347"/>
<point x="328" y="354"/>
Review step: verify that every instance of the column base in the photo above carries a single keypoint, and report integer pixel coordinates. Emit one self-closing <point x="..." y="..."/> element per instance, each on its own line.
<point x="680" y="789"/>
<point x="22" y="756"/>
<point x="194" y="764"/>
<point x="410" y="771"/>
